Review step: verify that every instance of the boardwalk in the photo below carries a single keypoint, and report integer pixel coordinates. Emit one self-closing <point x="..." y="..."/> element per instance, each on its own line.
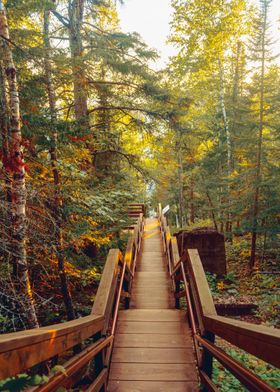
<point x="153" y="345"/>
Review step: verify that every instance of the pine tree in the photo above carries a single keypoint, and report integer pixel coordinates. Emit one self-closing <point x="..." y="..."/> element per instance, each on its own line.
<point x="262" y="56"/>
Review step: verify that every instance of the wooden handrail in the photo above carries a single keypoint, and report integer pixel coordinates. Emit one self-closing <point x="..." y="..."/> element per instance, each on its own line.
<point x="258" y="340"/>
<point x="261" y="341"/>
<point x="20" y="351"/>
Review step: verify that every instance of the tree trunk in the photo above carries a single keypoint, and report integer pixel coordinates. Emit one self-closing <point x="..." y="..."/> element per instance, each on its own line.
<point x="76" y="14"/>
<point x="225" y="118"/>
<point x="229" y="143"/>
<point x="68" y="303"/>
<point x="212" y="210"/>
<point x="259" y="151"/>
<point x="5" y="134"/>
<point x="181" y="185"/>
<point x="15" y="164"/>
<point x="192" y="209"/>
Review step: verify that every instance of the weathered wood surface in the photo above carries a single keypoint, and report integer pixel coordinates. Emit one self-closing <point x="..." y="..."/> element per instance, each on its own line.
<point x="21" y="350"/>
<point x="151" y="285"/>
<point x="108" y="281"/>
<point x="153" y="386"/>
<point x="261" y="341"/>
<point x="153" y="348"/>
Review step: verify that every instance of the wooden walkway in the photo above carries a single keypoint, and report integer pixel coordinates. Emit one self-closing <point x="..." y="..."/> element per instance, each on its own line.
<point x="153" y="344"/>
<point x="153" y="349"/>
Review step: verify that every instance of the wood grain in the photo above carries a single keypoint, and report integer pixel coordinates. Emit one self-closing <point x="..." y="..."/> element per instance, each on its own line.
<point x="153" y="355"/>
<point x="146" y="372"/>
<point x="152" y="340"/>
<point x="152" y="386"/>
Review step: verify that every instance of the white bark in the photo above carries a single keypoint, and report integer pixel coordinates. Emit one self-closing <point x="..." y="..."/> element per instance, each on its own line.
<point x="17" y="167"/>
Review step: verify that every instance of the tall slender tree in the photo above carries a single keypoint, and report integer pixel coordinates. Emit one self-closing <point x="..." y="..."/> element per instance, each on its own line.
<point x="14" y="163"/>
<point x="57" y="213"/>
<point x="262" y="56"/>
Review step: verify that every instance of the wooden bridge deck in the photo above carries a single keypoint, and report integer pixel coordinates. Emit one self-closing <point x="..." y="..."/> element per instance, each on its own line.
<point x="153" y="349"/>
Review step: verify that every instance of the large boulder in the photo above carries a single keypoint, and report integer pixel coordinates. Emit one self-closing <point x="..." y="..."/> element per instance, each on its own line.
<point x="210" y="245"/>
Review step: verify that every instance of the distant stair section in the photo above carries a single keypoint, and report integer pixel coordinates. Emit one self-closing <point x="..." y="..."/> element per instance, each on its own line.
<point x="134" y="211"/>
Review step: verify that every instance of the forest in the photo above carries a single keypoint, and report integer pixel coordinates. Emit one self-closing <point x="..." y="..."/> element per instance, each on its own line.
<point x="89" y="126"/>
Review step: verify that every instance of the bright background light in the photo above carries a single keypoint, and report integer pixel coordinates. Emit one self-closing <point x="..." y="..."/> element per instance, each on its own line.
<point x="151" y="18"/>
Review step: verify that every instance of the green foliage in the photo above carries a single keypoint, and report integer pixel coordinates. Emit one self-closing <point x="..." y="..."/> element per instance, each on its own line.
<point x="21" y="382"/>
<point x="227" y="382"/>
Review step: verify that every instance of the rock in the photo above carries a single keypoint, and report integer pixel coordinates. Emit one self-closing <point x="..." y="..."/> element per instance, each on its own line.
<point x="210" y="245"/>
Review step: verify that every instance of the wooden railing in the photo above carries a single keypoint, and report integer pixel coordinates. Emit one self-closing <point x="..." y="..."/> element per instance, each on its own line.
<point x="21" y="351"/>
<point x="189" y="281"/>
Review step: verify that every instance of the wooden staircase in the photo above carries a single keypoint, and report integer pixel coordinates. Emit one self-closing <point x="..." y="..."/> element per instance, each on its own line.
<point x="149" y="346"/>
<point x="153" y="349"/>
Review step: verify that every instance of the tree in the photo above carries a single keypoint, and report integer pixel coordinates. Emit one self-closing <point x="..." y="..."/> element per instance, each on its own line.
<point x="14" y="163"/>
<point x="207" y="33"/>
<point x="262" y="55"/>
<point x="57" y="214"/>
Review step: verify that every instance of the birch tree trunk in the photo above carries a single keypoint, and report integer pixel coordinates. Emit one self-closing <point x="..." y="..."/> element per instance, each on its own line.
<point x="225" y="118"/>
<point x="4" y="125"/>
<point x="68" y="303"/>
<point x="15" y="164"/>
<point x="192" y="208"/>
<point x="228" y="141"/>
<point x="181" y="184"/>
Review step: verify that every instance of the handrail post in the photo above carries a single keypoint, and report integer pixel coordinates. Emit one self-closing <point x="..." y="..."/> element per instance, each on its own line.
<point x="203" y="301"/>
<point x="206" y="364"/>
<point x="177" y="289"/>
<point x="99" y="360"/>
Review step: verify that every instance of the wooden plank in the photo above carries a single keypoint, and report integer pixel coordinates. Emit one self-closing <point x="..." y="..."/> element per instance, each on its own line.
<point x="175" y="251"/>
<point x="154" y="327"/>
<point x="129" y="252"/>
<point x="143" y="296"/>
<point x="161" y="282"/>
<point x="152" y="256"/>
<point x="104" y="292"/>
<point x="200" y="283"/>
<point x="152" y="315"/>
<point x="156" y="286"/>
<point x="140" y="281"/>
<point x="152" y="289"/>
<point x="152" y="260"/>
<point x="149" y="304"/>
<point x="152" y="247"/>
<point x="146" y="372"/>
<point x="152" y="386"/>
<point x="148" y="256"/>
<point x="151" y="268"/>
<point x="261" y="341"/>
<point x="28" y="348"/>
<point x="158" y="260"/>
<point x="154" y="275"/>
<point x="153" y="355"/>
<point x="152" y="263"/>
<point x="152" y="340"/>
